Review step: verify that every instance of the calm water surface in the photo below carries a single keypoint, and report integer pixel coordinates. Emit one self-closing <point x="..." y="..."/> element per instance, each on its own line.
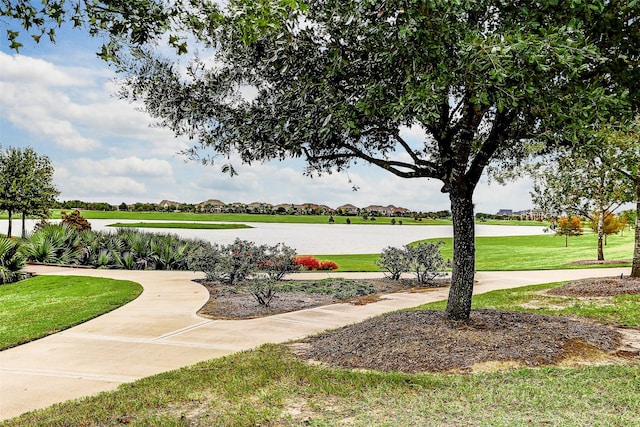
<point x="319" y="239"/>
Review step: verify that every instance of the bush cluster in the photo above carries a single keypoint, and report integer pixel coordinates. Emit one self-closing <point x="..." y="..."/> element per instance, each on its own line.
<point x="245" y="263"/>
<point x="124" y="249"/>
<point x="311" y="263"/>
<point x="424" y="260"/>
<point x="11" y="261"/>
<point x="235" y="263"/>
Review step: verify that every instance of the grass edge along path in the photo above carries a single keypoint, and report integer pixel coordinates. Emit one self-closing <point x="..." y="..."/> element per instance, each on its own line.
<point x="269" y="386"/>
<point x="43" y="305"/>
<point x="620" y="310"/>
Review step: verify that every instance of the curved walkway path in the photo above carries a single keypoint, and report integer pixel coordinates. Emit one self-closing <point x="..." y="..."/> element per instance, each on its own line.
<point x="160" y="331"/>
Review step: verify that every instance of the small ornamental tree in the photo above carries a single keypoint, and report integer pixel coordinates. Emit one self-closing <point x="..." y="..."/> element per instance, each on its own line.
<point x="569" y="226"/>
<point x="75" y="220"/>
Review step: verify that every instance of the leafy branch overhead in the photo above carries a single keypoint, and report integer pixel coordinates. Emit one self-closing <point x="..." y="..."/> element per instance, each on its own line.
<point x="487" y="82"/>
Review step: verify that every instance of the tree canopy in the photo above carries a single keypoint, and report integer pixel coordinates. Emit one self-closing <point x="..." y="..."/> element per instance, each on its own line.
<point x="586" y="185"/>
<point x="26" y="184"/>
<point x="335" y="81"/>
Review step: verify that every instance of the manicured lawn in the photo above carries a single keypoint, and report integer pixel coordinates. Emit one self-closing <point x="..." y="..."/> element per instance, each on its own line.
<point x="542" y="252"/>
<point x="268" y="386"/>
<point x="44" y="305"/>
<point x="292" y="219"/>
<point x="620" y="310"/>
<point x="510" y="253"/>
<point x="186" y="225"/>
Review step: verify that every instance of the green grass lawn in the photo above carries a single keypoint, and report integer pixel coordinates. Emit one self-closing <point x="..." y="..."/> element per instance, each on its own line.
<point x="510" y="253"/>
<point x="291" y="219"/>
<point x="269" y="386"/>
<point x="44" y="305"/>
<point x="186" y="225"/>
<point x="620" y="310"/>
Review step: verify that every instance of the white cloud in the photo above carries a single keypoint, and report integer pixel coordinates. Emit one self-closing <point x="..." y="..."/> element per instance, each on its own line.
<point x="129" y="166"/>
<point x="26" y="70"/>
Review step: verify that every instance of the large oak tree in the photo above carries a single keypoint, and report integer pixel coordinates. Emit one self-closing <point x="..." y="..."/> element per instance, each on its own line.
<point x="334" y="81"/>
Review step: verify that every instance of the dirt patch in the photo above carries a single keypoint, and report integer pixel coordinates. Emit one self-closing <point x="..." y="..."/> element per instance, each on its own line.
<point x="227" y="302"/>
<point x="421" y="341"/>
<point x="599" y="287"/>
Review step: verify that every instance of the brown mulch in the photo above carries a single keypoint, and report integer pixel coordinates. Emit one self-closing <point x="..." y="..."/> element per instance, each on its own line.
<point x="599" y="287"/>
<point x="421" y="341"/>
<point x="425" y="341"/>
<point x="226" y="302"/>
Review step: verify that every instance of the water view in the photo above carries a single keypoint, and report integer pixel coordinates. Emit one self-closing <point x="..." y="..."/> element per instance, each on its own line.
<point x="319" y="239"/>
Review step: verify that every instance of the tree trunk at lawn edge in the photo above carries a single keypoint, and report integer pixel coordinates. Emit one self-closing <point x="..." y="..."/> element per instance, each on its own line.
<point x="9" y="225"/>
<point x="635" y="268"/>
<point x="600" y="236"/>
<point x="24" y="226"/>
<point x="463" y="271"/>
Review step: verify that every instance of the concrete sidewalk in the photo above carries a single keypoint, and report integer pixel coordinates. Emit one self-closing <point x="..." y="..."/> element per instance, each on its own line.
<point x="160" y="331"/>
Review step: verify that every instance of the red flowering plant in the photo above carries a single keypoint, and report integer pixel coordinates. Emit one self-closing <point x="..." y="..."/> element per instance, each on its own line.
<point x="311" y="263"/>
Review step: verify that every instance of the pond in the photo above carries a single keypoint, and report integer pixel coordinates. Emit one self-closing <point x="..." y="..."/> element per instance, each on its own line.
<point x="320" y="239"/>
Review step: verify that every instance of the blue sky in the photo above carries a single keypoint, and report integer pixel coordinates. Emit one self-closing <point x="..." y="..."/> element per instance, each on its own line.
<point x="60" y="100"/>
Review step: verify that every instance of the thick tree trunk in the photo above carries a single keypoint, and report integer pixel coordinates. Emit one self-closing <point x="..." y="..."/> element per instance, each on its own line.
<point x="600" y="236"/>
<point x="9" y="225"/>
<point x="635" y="268"/>
<point x="24" y="226"/>
<point x="464" y="255"/>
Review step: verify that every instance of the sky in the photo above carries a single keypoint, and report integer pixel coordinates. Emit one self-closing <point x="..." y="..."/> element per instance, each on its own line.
<point x="60" y="99"/>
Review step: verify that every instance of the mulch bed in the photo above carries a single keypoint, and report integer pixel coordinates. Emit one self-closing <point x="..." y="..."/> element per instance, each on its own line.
<point x="599" y="287"/>
<point x="227" y="302"/>
<point x="425" y="341"/>
<point x="420" y="341"/>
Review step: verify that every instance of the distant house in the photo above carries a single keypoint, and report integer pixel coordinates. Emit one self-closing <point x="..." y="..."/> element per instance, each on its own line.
<point x="532" y="214"/>
<point x="507" y="212"/>
<point x="282" y="208"/>
<point x="211" y="206"/>
<point x="259" y="208"/>
<point x="236" y="207"/>
<point x="169" y="205"/>
<point x="389" y="210"/>
<point x="348" y="209"/>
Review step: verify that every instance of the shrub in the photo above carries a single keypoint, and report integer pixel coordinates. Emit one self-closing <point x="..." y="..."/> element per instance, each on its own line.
<point x="426" y="261"/>
<point x="263" y="291"/>
<point x="308" y="262"/>
<point x="57" y="244"/>
<point x="311" y="263"/>
<point x="206" y="258"/>
<point x="75" y="220"/>
<point x="278" y="261"/>
<point x="230" y="264"/>
<point x="11" y="261"/>
<point x="394" y="261"/>
<point x="327" y="265"/>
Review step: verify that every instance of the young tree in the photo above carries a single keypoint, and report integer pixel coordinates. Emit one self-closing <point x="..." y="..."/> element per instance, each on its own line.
<point x="26" y="184"/>
<point x="621" y="148"/>
<point x="611" y="224"/>
<point x="335" y="81"/>
<point x="569" y="226"/>
<point x="582" y="184"/>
